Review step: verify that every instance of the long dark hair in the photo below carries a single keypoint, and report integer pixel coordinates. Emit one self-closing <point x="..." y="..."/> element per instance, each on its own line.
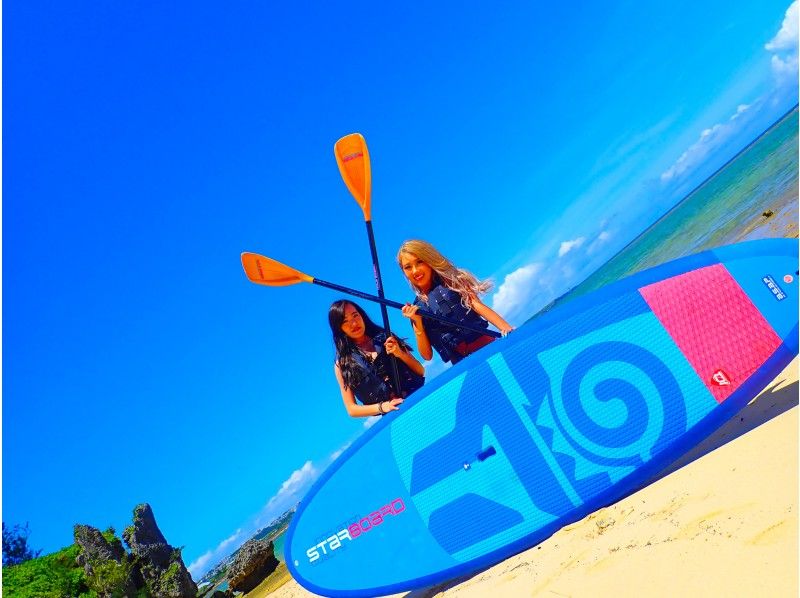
<point x="345" y="347"/>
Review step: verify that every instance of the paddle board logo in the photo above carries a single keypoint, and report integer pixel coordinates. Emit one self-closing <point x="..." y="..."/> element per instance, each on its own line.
<point x="260" y="271"/>
<point x="788" y="279"/>
<point x="354" y="531"/>
<point x="352" y="156"/>
<point x="720" y="378"/>
<point x="773" y="287"/>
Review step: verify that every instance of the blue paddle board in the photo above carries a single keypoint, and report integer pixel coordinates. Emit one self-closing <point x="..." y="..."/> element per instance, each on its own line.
<point x="568" y="414"/>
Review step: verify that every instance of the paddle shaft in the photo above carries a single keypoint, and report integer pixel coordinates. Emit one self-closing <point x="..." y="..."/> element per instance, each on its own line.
<point x="379" y="286"/>
<point x="388" y="302"/>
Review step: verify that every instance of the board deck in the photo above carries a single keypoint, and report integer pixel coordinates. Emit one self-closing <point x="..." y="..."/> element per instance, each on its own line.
<point x="568" y="414"/>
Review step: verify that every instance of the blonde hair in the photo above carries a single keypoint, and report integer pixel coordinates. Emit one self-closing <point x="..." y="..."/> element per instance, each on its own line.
<point x="457" y="279"/>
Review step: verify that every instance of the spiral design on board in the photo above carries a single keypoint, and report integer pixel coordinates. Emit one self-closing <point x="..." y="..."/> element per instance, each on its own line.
<point x="619" y="404"/>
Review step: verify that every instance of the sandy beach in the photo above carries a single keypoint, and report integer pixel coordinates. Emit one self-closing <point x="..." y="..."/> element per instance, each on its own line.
<point x="722" y="521"/>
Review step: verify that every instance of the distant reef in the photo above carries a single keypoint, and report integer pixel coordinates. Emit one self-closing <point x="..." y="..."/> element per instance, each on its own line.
<point x="98" y="565"/>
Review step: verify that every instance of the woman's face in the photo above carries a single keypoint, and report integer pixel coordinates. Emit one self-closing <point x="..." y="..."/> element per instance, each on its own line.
<point x="418" y="272"/>
<point x="353" y="324"/>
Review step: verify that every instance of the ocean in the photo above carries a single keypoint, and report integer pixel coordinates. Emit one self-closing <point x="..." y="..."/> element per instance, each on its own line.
<point x="280" y="540"/>
<point x="753" y="196"/>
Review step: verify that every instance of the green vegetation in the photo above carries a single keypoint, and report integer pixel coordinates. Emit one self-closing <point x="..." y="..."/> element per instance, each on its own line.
<point x="57" y="575"/>
<point x="168" y="584"/>
<point x="110" y="578"/>
<point x="111" y="537"/>
<point x="50" y="576"/>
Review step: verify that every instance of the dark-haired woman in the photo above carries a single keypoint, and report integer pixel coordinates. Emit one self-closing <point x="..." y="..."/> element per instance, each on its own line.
<point x="363" y="365"/>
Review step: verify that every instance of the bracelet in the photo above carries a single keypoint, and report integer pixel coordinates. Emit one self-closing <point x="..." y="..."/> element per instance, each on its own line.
<point x="380" y="409"/>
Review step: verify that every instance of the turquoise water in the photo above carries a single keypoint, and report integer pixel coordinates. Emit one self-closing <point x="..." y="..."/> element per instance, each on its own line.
<point x="280" y="540"/>
<point x="727" y="208"/>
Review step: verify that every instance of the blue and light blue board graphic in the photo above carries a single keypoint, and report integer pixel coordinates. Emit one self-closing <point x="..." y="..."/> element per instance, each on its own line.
<point x="566" y="415"/>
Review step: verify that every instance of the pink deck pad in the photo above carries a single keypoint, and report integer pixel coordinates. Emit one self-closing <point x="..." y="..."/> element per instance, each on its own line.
<point x="715" y="325"/>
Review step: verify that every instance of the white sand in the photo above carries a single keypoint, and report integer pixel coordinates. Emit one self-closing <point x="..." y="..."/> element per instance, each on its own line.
<point x="725" y="524"/>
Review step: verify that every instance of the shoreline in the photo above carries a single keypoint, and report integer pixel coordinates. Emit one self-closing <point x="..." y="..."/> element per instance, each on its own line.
<point x="721" y="521"/>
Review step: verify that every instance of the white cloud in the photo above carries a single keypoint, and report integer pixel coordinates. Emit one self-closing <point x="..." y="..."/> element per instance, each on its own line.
<point x="289" y="494"/>
<point x="202" y="563"/>
<point x="786" y="38"/>
<point x="710" y="139"/>
<point x="740" y="109"/>
<point x="598" y="242"/>
<point x="567" y="246"/>
<point x="292" y="490"/>
<point x="230" y="540"/>
<point x="785" y="70"/>
<point x="784" y="48"/>
<point x="335" y="454"/>
<point x="516" y="290"/>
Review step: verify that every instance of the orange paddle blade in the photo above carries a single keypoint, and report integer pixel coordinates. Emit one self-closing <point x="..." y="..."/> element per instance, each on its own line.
<point x="353" y="160"/>
<point x="263" y="270"/>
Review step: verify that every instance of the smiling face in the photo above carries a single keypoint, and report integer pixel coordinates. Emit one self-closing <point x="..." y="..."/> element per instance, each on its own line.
<point x="353" y="324"/>
<point x="419" y="273"/>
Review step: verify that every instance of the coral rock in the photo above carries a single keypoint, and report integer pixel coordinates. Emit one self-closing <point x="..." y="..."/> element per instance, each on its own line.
<point x="253" y="563"/>
<point x="161" y="565"/>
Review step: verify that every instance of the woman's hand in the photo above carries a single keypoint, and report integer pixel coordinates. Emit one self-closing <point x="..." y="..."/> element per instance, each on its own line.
<point x="391" y="405"/>
<point x="393" y="347"/>
<point x="396" y="349"/>
<point x="423" y="343"/>
<point x="410" y="312"/>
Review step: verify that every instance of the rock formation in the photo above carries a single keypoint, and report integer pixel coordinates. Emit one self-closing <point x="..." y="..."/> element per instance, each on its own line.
<point x="160" y="564"/>
<point x="253" y="563"/>
<point x="94" y="547"/>
<point x="153" y="567"/>
<point x="105" y="563"/>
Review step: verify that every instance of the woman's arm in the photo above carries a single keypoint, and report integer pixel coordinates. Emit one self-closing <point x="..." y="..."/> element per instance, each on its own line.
<point x="394" y="348"/>
<point x="356" y="410"/>
<point x="487" y="313"/>
<point x="423" y="342"/>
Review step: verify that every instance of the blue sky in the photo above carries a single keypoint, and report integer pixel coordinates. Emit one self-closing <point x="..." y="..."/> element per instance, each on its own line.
<point x="147" y="145"/>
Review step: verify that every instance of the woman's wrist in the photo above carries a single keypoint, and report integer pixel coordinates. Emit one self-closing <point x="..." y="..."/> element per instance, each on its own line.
<point x="380" y="409"/>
